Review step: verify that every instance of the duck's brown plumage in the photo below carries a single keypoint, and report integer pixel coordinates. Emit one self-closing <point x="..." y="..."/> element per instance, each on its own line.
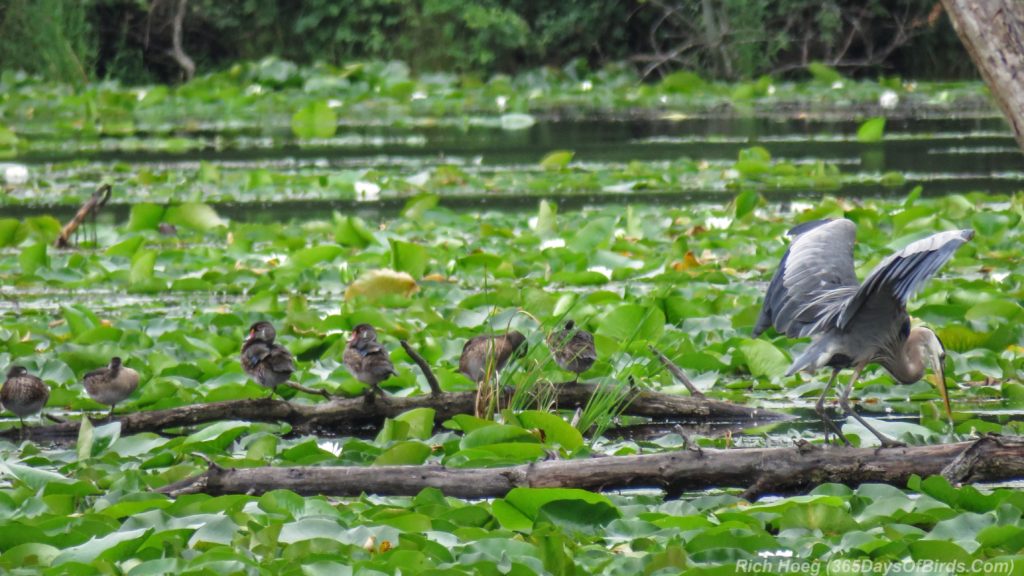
<point x="268" y="363"/>
<point x="111" y="384"/>
<point x="367" y="359"/>
<point x="573" y="348"/>
<point x="489" y="352"/>
<point x="23" y="394"/>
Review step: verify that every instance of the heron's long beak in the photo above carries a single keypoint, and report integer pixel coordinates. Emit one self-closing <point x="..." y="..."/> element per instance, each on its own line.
<point x="939" y="380"/>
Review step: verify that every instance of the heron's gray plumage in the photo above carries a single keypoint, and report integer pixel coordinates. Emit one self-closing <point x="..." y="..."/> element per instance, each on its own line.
<point x="815" y="293"/>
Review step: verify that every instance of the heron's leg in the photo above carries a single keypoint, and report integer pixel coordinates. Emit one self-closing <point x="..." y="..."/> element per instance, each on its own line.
<point x="844" y="402"/>
<point x="110" y="415"/>
<point x="819" y="407"/>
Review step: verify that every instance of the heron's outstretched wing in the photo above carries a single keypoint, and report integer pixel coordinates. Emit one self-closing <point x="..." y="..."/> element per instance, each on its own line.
<point x="815" y="277"/>
<point x="903" y="273"/>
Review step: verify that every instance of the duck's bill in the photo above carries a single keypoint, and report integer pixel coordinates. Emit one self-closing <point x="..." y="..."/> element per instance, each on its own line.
<point x="939" y="380"/>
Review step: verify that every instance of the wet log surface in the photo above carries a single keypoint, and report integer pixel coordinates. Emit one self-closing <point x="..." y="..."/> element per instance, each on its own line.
<point x="760" y="471"/>
<point x="344" y="415"/>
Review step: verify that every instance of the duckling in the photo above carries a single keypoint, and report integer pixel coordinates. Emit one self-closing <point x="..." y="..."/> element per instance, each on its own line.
<point x="573" y="349"/>
<point x="367" y="359"/>
<point x="489" y="353"/>
<point x="23" y="394"/>
<point x="269" y="364"/>
<point x="111" y="384"/>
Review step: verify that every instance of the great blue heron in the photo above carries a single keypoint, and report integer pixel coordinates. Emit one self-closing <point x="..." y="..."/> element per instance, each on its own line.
<point x="815" y="293"/>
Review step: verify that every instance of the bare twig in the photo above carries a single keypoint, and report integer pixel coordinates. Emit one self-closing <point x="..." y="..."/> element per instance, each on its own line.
<point x="677" y="372"/>
<point x="313" y="391"/>
<point x="435" y="388"/>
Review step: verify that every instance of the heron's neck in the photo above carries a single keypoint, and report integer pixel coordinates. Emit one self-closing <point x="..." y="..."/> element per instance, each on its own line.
<point x="908" y="365"/>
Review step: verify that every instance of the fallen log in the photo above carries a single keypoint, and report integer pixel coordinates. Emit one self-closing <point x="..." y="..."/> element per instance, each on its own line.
<point x="349" y="414"/>
<point x="761" y="471"/>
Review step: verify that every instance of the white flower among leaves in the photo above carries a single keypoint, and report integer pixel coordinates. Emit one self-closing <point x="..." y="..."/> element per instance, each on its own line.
<point x="367" y="191"/>
<point x="889" y="99"/>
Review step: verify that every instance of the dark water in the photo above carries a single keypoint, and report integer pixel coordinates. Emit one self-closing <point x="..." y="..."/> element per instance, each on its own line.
<point x="945" y="156"/>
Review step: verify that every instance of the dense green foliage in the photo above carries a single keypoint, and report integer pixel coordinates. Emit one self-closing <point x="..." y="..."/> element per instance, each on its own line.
<point x="130" y="40"/>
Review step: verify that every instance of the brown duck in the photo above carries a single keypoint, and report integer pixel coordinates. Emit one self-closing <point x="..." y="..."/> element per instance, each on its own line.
<point x="111" y="384"/>
<point x="488" y="353"/>
<point x="23" y="394"/>
<point x="269" y="364"/>
<point x="573" y="349"/>
<point x="367" y="359"/>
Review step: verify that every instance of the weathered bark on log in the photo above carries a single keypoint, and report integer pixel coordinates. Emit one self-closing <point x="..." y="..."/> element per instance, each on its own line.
<point x="993" y="33"/>
<point x="349" y="414"/>
<point x="769" y="470"/>
<point x="91" y="206"/>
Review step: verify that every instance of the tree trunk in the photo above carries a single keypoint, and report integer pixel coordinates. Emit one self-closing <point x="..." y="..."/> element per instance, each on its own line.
<point x="993" y="32"/>
<point x="761" y="471"/>
<point x="341" y="415"/>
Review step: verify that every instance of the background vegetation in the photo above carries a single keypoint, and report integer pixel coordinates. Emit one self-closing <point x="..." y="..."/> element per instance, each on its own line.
<point x="131" y="40"/>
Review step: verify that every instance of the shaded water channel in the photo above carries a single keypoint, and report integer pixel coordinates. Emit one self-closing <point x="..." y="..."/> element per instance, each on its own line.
<point x="944" y="156"/>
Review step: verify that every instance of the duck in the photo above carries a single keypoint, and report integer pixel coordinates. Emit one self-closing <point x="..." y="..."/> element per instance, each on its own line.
<point x="266" y="362"/>
<point x="23" y="394"/>
<point x="489" y="353"/>
<point x="111" y="384"/>
<point x="367" y="359"/>
<point x="573" y="349"/>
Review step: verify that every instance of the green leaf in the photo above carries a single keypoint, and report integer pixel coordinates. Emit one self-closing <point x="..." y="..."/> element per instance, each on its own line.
<point x="316" y="120"/>
<point x="195" y="216"/>
<point x="216" y="437"/>
<point x="632" y="322"/>
<point x="547" y="219"/>
<point x="142" y="267"/>
<point x="501" y="433"/>
<point x="112" y="547"/>
<point x="315" y="255"/>
<point x="408" y="257"/>
<point x="420" y="421"/>
<point x="556" y="430"/>
<point x="745" y="203"/>
<point x="11" y="232"/>
<point x="145" y="217"/>
<point x="575" y="516"/>
<point x="556" y="160"/>
<point x="823" y="73"/>
<point x="763" y="358"/>
<point x="517" y="121"/>
<point x="407" y="453"/>
<point x="682" y="82"/>
<point x="85" y="439"/>
<point x="32" y="258"/>
<point x="871" y="130"/>
<point x="352" y="231"/>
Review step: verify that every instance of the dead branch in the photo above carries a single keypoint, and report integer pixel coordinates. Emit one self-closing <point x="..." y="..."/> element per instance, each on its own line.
<point x="91" y="206"/>
<point x="677" y="372"/>
<point x="435" y="388"/>
<point x="767" y="470"/>
<point x="341" y="415"/>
